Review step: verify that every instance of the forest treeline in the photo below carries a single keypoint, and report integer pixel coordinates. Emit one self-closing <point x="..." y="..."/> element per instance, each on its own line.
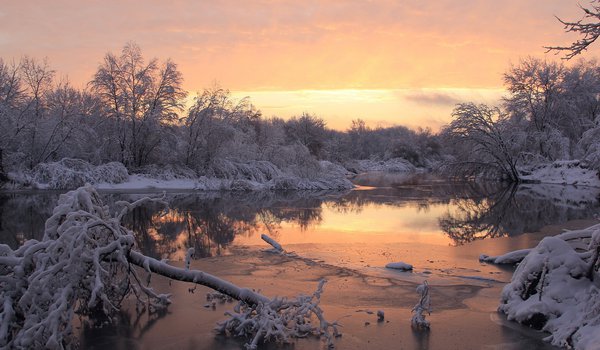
<point x="133" y="111"/>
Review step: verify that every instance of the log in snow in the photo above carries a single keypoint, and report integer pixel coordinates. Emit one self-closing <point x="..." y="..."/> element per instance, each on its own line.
<point x="272" y="242"/>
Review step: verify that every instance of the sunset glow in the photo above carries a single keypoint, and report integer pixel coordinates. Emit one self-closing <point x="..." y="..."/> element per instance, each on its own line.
<point x="387" y="62"/>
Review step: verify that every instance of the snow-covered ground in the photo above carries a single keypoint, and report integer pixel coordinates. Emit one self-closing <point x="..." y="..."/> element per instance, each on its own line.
<point x="571" y="172"/>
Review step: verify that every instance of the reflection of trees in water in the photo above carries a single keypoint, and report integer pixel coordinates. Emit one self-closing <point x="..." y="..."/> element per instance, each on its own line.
<point x="23" y="215"/>
<point x="129" y="325"/>
<point x="210" y="221"/>
<point x="478" y="218"/>
<point x="517" y="209"/>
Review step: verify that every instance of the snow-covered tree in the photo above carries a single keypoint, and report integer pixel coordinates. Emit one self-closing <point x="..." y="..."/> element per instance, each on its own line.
<point x="216" y="122"/>
<point x="140" y="98"/>
<point x="484" y="143"/>
<point x="309" y="131"/>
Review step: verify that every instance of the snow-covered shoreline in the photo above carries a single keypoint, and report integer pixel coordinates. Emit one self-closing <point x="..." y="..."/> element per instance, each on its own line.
<point x="255" y="176"/>
<point x="571" y="172"/>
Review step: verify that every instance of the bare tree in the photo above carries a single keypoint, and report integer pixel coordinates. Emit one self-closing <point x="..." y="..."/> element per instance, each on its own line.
<point x="588" y="27"/>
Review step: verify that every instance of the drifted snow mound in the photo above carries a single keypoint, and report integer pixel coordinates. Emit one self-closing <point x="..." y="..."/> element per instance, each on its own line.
<point x="555" y="288"/>
<point x="70" y="173"/>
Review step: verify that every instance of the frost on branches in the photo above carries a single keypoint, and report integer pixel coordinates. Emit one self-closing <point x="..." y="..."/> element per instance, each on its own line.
<point x="280" y="320"/>
<point x="418" y="320"/>
<point x="555" y="288"/>
<point x="86" y="265"/>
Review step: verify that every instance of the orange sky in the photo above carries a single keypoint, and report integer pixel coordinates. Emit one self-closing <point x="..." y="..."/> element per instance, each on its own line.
<point x="388" y="62"/>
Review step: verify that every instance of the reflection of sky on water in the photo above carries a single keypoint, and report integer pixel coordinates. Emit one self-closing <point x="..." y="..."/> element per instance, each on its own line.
<point x="373" y="223"/>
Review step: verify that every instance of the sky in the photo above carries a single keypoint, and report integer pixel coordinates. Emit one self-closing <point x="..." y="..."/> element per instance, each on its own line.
<point x="387" y="62"/>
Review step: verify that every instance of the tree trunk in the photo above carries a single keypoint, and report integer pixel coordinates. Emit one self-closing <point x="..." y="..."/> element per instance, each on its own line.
<point x="3" y="177"/>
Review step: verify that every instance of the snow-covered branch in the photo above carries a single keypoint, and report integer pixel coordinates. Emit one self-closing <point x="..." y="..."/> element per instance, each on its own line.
<point x="86" y="264"/>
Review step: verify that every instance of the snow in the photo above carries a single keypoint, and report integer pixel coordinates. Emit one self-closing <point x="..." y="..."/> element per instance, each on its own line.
<point x="73" y="173"/>
<point x="225" y="176"/>
<point x="555" y="289"/>
<point x="418" y="320"/>
<point x="399" y="266"/>
<point x="572" y="172"/>
<point x="508" y="258"/>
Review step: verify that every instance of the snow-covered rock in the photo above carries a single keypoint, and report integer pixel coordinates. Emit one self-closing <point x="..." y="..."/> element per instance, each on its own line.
<point x="399" y="266"/>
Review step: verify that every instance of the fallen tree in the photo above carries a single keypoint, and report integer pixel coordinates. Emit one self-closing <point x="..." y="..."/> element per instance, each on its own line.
<point x="86" y="264"/>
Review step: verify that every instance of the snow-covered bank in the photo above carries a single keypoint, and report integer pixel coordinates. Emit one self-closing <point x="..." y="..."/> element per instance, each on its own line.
<point x="228" y="176"/>
<point x="572" y="172"/>
<point x="394" y="165"/>
<point x="555" y="288"/>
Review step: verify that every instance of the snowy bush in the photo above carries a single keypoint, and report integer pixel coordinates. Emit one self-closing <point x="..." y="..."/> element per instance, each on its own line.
<point x="555" y="289"/>
<point x="72" y="173"/>
<point x="258" y="171"/>
<point x="166" y="172"/>
<point x="589" y="142"/>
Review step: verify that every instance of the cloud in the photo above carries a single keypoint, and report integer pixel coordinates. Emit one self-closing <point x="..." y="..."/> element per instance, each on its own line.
<point x="435" y="98"/>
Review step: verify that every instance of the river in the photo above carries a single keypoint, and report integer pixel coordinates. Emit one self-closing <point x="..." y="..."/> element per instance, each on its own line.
<point x="347" y="237"/>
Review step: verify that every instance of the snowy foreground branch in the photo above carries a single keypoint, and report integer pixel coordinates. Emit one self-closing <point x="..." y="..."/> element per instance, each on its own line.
<point x="85" y="265"/>
<point x="556" y="288"/>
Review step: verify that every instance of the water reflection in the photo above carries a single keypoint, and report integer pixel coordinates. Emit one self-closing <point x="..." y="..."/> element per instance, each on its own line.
<point x="420" y="210"/>
<point x="516" y="209"/>
<point x="209" y="222"/>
